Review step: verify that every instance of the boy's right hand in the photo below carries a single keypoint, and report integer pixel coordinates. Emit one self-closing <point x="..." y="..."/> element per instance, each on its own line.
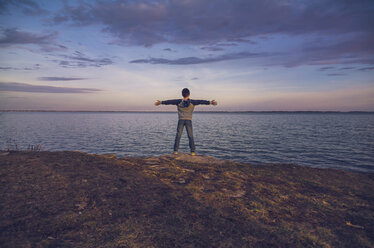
<point x="158" y="102"/>
<point x="213" y="102"/>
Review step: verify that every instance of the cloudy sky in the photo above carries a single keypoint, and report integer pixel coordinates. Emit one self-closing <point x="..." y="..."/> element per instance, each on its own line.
<point x="246" y="54"/>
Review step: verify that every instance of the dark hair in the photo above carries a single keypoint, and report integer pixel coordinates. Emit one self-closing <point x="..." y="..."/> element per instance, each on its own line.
<point x="185" y="92"/>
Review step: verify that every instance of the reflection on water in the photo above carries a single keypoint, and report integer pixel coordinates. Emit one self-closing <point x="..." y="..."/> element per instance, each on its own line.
<point x="314" y="139"/>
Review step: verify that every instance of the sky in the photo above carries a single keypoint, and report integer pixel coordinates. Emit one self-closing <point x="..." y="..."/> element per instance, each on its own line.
<point x="248" y="55"/>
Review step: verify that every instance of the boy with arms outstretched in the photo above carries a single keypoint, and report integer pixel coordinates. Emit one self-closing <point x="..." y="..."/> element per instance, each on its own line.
<point x="185" y="109"/>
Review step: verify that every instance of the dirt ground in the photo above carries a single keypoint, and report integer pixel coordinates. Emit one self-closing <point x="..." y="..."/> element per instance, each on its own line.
<point x="74" y="199"/>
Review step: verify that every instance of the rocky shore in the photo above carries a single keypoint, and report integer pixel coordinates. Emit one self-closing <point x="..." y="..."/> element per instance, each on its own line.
<point x="74" y="199"/>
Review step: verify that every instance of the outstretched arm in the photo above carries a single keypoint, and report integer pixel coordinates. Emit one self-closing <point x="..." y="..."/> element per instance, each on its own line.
<point x="168" y="102"/>
<point x="204" y="102"/>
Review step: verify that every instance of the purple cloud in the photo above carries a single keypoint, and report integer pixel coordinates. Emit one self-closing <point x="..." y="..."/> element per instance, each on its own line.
<point x="335" y="74"/>
<point x="13" y="36"/>
<point x="212" y="48"/>
<point x="60" y="78"/>
<point x="232" y="22"/>
<point x="8" y="68"/>
<point x="21" y="87"/>
<point x="366" y="68"/>
<point x="28" y="7"/>
<point x="241" y="40"/>
<point x="196" y="60"/>
<point x="46" y="42"/>
<point x="326" y="68"/>
<point x="357" y="49"/>
<point x="80" y="60"/>
<point x="168" y="49"/>
<point x="150" y="22"/>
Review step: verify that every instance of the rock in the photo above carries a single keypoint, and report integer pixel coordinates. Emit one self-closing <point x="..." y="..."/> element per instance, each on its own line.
<point x="81" y="205"/>
<point x="109" y="155"/>
<point x="181" y="181"/>
<point x="198" y="159"/>
<point x="237" y="194"/>
<point x="205" y="176"/>
<point x="151" y="162"/>
<point x="234" y="194"/>
<point x="158" y="168"/>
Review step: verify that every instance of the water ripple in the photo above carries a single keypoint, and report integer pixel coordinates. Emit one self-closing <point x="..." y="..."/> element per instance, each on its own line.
<point x="344" y="141"/>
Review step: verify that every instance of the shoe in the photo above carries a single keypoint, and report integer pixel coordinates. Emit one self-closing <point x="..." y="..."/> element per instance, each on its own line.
<point x="193" y="153"/>
<point x="175" y="152"/>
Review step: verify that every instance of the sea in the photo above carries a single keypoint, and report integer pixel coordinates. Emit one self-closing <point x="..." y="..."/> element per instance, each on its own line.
<point x="317" y="139"/>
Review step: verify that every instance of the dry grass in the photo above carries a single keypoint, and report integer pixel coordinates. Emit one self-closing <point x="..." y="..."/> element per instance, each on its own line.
<point x="73" y="199"/>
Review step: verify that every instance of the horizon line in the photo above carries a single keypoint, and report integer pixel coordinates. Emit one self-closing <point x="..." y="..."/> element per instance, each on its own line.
<point x="199" y="111"/>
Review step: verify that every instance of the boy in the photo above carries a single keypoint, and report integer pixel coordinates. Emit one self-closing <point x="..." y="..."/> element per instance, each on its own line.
<point x="185" y="108"/>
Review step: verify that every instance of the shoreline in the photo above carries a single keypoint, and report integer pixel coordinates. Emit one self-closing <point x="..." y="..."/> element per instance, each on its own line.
<point x="69" y="198"/>
<point x="363" y="170"/>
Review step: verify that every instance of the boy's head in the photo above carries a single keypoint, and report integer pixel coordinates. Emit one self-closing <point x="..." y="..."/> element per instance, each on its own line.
<point x="185" y="92"/>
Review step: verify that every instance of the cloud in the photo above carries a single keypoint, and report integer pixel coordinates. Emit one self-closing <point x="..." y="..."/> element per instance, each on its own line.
<point x="347" y="68"/>
<point x="225" y="23"/>
<point x="28" y="7"/>
<point x="8" y="68"/>
<point x="212" y="48"/>
<point x="358" y="48"/>
<point x="366" y="68"/>
<point x="336" y="74"/>
<point x="12" y="36"/>
<point x="21" y="87"/>
<point x="241" y="40"/>
<point x="150" y="22"/>
<point x="196" y="60"/>
<point x="350" y="49"/>
<point x="60" y="78"/>
<point x="326" y="68"/>
<point x="80" y="60"/>
<point x="46" y="42"/>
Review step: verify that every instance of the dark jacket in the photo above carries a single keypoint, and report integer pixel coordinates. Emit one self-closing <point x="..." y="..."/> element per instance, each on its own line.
<point x="185" y="107"/>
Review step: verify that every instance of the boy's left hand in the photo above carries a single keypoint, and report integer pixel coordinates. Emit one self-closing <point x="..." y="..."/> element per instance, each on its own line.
<point x="213" y="102"/>
<point x="158" y="102"/>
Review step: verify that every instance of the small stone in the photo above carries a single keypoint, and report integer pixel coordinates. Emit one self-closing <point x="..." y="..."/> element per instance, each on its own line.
<point x="81" y="205"/>
<point x="205" y="176"/>
<point x="158" y="168"/>
<point x="238" y="193"/>
<point x="109" y="155"/>
<point x="152" y="162"/>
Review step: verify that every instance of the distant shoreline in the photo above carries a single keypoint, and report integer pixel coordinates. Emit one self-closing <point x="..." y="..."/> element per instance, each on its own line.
<point x="240" y="112"/>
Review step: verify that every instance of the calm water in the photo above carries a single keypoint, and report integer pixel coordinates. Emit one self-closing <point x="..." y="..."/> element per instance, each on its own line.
<point x="343" y="141"/>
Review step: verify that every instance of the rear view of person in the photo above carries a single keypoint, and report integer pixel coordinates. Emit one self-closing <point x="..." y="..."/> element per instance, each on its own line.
<point x="185" y="107"/>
